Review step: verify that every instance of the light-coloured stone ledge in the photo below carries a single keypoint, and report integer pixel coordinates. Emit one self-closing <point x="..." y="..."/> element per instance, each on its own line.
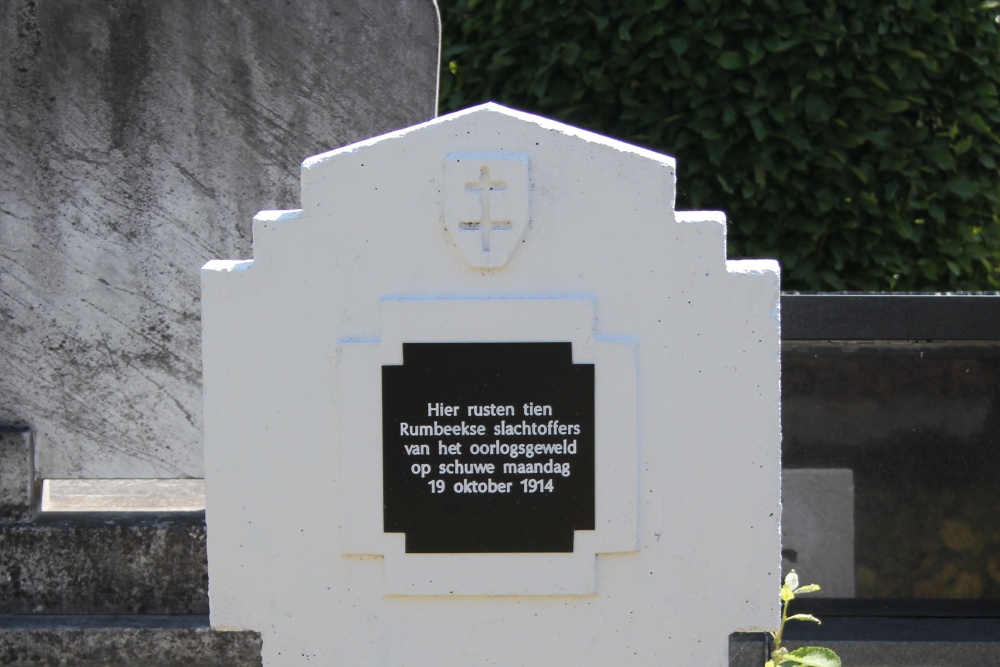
<point x="123" y="495"/>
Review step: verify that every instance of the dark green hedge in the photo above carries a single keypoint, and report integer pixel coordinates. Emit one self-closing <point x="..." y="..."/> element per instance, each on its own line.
<point x="852" y="139"/>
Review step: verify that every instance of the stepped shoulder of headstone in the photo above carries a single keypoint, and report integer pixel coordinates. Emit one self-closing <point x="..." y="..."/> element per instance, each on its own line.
<point x="487" y="397"/>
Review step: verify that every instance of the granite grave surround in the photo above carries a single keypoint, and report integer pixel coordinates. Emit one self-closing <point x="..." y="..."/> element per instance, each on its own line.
<point x="488" y="398"/>
<point x="116" y="589"/>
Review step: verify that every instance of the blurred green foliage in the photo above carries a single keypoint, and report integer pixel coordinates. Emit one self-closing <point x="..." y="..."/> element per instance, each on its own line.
<point x="853" y="140"/>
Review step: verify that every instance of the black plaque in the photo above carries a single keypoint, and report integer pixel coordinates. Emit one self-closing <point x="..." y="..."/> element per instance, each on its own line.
<point x="488" y="447"/>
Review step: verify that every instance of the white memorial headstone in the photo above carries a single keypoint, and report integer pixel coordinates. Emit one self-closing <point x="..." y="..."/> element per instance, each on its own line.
<point x="488" y="399"/>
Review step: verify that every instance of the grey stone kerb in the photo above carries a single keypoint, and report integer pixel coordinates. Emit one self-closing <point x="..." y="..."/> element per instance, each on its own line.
<point x="138" y="140"/>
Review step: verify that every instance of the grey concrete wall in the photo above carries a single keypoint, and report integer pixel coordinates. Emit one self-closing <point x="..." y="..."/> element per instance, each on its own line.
<point x="817" y="528"/>
<point x="137" y="139"/>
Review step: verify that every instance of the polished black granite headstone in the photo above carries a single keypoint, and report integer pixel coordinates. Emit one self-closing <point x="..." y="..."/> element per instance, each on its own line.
<point x="905" y="392"/>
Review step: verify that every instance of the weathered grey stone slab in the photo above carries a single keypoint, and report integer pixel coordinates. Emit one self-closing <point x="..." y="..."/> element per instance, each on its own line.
<point x="151" y="641"/>
<point x="137" y="141"/>
<point x="17" y="474"/>
<point x="817" y="528"/>
<point x="104" y="564"/>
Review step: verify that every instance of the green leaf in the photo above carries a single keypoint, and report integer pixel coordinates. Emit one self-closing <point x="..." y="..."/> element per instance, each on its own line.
<point x="941" y="157"/>
<point x="725" y="186"/>
<point x="804" y="617"/>
<point x="571" y="51"/>
<point x="775" y="44"/>
<point x="731" y="60"/>
<point x="754" y="50"/>
<point x="810" y="588"/>
<point x="842" y="159"/>
<point x="977" y="123"/>
<point x="961" y="186"/>
<point x="716" y="39"/>
<point x="623" y="31"/>
<point x="878" y="82"/>
<point x="600" y="22"/>
<point x="812" y="656"/>
<point x="897" y="105"/>
<point x="816" y="107"/>
<point x="678" y="45"/>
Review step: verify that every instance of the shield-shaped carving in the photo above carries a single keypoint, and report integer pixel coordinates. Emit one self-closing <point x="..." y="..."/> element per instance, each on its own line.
<point x="486" y="205"/>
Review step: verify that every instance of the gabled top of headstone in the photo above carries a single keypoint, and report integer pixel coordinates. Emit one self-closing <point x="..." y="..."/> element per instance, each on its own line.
<point x="486" y="186"/>
<point x="497" y="112"/>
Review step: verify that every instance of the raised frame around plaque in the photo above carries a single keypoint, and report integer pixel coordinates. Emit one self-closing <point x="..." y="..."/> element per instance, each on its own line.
<point x="463" y="320"/>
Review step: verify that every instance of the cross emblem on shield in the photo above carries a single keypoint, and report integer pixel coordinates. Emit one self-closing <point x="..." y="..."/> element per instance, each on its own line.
<point x="486" y="223"/>
<point x="486" y="205"/>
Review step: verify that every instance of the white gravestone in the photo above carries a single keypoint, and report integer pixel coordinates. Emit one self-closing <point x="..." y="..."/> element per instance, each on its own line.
<point x="488" y="399"/>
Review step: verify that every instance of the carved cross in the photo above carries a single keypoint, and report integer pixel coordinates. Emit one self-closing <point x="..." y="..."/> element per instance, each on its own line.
<point x="485" y="224"/>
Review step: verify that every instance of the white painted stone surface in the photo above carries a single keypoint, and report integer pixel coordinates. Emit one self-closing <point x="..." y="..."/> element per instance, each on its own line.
<point x="371" y="261"/>
<point x="817" y="528"/>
